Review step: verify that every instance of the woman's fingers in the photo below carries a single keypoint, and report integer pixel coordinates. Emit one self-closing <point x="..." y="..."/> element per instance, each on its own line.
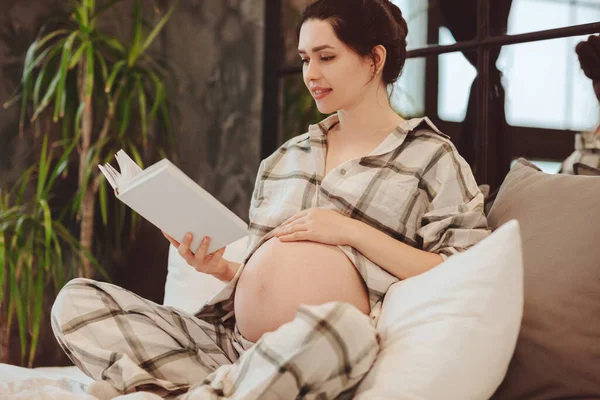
<point x="221" y="251"/>
<point x="202" y="249"/>
<point x="199" y="260"/>
<point x="170" y="239"/>
<point x="184" y="249"/>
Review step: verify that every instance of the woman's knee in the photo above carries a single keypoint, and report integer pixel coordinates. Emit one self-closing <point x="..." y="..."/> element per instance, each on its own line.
<point x="70" y="297"/>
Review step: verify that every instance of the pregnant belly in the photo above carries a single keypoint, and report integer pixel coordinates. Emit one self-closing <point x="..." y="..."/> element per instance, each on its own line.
<point x="282" y="275"/>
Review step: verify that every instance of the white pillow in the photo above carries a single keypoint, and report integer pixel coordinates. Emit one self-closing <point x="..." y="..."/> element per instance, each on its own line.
<point x="188" y="289"/>
<point x="450" y="333"/>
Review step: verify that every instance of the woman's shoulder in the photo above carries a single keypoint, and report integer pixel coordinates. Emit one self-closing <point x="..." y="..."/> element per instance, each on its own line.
<point x="423" y="128"/>
<point x="424" y="135"/>
<point x="299" y="142"/>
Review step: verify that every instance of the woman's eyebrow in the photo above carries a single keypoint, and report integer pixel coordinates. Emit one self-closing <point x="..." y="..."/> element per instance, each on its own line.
<point x="315" y="49"/>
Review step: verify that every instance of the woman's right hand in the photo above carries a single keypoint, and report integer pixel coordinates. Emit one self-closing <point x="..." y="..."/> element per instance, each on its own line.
<point x="212" y="264"/>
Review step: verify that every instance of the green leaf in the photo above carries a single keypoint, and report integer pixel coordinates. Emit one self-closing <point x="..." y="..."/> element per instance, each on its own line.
<point x="136" y="38"/>
<point x="103" y="202"/>
<point x="111" y="42"/>
<point x="58" y="273"/>
<point x="18" y="303"/>
<point x="106" y="6"/>
<point x="84" y="9"/>
<point x="13" y="98"/>
<point x="77" y="55"/>
<point x="79" y="18"/>
<point x="38" y="85"/>
<point x="47" y="226"/>
<point x="80" y="110"/>
<point x="157" y="28"/>
<point x="103" y="66"/>
<point x="50" y="36"/>
<point x="142" y="103"/>
<point x="113" y="75"/>
<point x="3" y="265"/>
<point x="64" y="67"/>
<point x="61" y="165"/>
<point x="37" y="314"/>
<point x="44" y="166"/>
<point x="22" y="183"/>
<point x="42" y="74"/>
<point x="126" y="115"/>
<point x="46" y="100"/>
<point x="166" y="119"/>
<point x="76" y="245"/>
<point x="135" y="219"/>
<point x="135" y="154"/>
<point x="41" y="57"/>
<point x="159" y="94"/>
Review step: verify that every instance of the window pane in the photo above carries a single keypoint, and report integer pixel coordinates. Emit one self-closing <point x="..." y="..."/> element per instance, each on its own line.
<point x="415" y="14"/>
<point x="534" y="15"/>
<point x="545" y="86"/>
<point x="408" y="96"/>
<point x="455" y="76"/>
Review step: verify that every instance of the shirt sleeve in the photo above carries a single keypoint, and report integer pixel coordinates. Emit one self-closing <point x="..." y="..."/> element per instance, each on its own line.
<point x="454" y="218"/>
<point x="255" y="230"/>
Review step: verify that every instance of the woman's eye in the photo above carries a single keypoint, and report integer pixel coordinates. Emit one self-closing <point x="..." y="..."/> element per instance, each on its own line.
<point x="306" y="60"/>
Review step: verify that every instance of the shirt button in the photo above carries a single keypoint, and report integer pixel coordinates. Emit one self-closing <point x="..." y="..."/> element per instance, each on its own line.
<point x="343" y="171"/>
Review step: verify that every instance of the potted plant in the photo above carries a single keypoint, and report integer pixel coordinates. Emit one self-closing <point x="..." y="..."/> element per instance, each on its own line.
<point x="104" y="93"/>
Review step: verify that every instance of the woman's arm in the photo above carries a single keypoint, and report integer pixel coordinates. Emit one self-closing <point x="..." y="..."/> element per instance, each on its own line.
<point x="399" y="259"/>
<point x="229" y="273"/>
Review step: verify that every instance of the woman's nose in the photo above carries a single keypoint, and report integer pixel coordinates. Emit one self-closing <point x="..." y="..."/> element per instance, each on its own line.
<point x="311" y="71"/>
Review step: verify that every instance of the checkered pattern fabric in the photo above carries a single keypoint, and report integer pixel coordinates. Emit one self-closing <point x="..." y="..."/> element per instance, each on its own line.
<point x="114" y="335"/>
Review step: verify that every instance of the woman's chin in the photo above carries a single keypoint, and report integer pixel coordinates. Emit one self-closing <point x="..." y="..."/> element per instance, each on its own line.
<point x="326" y="110"/>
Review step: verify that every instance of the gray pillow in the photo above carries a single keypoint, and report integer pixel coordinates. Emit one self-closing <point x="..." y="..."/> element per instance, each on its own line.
<point x="558" y="350"/>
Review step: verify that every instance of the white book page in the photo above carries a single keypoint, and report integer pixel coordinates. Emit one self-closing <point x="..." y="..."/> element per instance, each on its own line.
<point x="129" y="170"/>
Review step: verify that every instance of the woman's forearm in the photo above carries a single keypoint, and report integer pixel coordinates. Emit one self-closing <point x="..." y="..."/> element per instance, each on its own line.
<point x="399" y="259"/>
<point x="229" y="273"/>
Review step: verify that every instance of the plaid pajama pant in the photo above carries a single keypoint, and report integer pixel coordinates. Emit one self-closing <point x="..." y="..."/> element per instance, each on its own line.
<point x="114" y="335"/>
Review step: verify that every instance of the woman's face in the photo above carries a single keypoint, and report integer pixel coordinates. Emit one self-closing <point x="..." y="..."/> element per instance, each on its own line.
<point x="333" y="73"/>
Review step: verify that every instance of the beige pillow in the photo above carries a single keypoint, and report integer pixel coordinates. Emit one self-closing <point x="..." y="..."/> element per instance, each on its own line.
<point x="558" y="350"/>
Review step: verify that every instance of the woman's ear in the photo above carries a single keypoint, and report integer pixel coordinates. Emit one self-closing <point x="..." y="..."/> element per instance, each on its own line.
<point x="380" y="53"/>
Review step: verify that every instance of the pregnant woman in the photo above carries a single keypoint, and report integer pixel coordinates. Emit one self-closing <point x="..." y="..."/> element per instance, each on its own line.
<point x="338" y="214"/>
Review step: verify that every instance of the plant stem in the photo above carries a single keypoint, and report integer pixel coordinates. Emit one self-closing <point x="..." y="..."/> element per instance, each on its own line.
<point x="88" y="201"/>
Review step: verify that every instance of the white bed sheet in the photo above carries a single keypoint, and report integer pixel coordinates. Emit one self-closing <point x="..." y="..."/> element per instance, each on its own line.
<point x="50" y="383"/>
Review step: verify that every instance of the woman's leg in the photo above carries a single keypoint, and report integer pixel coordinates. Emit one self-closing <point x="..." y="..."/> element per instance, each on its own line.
<point x="114" y="335"/>
<point x="324" y="351"/>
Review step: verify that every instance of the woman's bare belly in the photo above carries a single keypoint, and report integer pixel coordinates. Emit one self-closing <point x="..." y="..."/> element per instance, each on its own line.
<point x="282" y="275"/>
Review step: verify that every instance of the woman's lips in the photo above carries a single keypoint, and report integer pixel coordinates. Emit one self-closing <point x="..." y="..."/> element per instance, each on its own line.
<point x="321" y="94"/>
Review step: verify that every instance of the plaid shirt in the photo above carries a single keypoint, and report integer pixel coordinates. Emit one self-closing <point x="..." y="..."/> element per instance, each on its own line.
<point x="414" y="186"/>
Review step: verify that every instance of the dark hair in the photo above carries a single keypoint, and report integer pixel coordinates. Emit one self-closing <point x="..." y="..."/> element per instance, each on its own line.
<point x="362" y="25"/>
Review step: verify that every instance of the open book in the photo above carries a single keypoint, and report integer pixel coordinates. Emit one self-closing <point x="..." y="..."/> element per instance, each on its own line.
<point x="173" y="202"/>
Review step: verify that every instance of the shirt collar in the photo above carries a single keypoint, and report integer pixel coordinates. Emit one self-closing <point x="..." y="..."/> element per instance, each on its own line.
<point x="318" y="132"/>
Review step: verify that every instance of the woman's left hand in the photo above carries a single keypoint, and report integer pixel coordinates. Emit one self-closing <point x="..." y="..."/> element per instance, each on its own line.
<point x="316" y="225"/>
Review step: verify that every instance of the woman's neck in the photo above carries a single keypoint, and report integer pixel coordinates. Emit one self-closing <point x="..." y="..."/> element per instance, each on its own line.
<point x="370" y="118"/>
<point x="366" y="124"/>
